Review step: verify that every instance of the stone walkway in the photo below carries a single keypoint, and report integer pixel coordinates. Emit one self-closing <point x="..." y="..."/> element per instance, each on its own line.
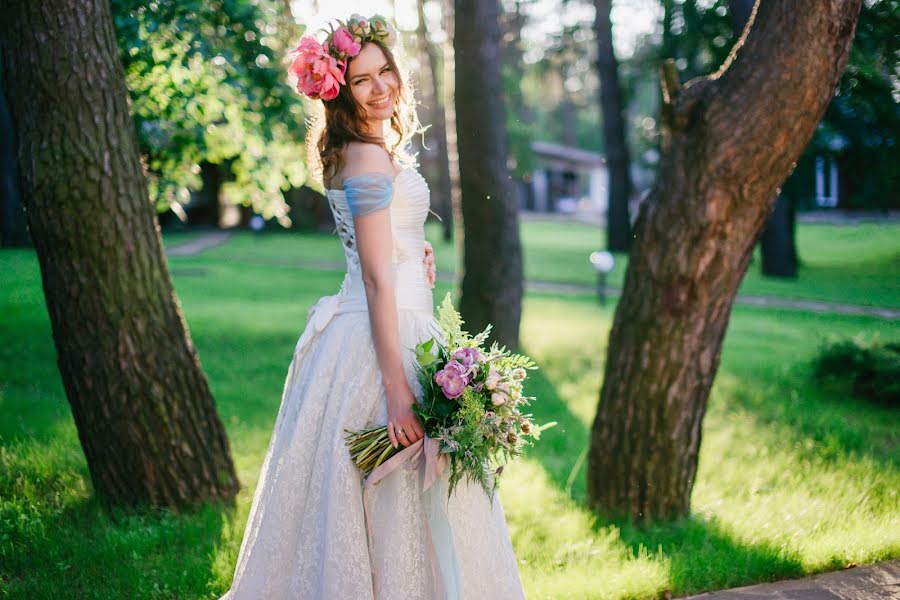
<point x="200" y="244"/>
<point x="870" y="582"/>
<point x="215" y="238"/>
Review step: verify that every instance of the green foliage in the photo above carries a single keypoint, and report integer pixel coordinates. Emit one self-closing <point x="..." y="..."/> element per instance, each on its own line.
<point x="860" y="129"/>
<point x="871" y="369"/>
<point x="208" y="83"/>
<point x="450" y="321"/>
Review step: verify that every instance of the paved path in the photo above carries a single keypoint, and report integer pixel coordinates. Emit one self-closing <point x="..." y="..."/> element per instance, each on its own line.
<point x="198" y="245"/>
<point x="215" y="238"/>
<point x="870" y="582"/>
<point x="817" y="306"/>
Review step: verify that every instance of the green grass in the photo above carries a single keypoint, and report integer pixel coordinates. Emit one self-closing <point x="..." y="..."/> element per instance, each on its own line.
<point x="792" y="479"/>
<point x="854" y="265"/>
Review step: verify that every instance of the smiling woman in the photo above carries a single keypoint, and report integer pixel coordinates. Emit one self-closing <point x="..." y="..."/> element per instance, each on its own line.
<point x="316" y="528"/>
<point x="363" y="88"/>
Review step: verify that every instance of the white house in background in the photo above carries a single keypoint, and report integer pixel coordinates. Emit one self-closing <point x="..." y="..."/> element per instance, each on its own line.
<point x="827" y="196"/>
<point x="566" y="180"/>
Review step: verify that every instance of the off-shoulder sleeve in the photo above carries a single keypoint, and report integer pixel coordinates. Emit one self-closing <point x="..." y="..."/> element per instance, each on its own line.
<point x="368" y="192"/>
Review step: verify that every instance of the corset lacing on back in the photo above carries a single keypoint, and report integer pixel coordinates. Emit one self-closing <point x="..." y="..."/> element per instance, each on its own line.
<point x="408" y="210"/>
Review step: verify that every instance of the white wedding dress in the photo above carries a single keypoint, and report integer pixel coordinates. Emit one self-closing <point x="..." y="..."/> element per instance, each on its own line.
<point x="306" y="536"/>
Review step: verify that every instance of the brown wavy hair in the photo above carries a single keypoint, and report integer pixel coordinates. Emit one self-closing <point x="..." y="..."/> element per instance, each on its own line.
<point x="343" y="121"/>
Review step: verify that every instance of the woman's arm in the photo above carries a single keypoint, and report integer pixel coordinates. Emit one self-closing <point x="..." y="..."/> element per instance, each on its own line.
<point x="374" y="242"/>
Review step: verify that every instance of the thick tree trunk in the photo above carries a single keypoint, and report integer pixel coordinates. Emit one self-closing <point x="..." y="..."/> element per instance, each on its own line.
<point x="13" y="228"/>
<point x="141" y="403"/>
<point x="492" y="282"/>
<point x="729" y="141"/>
<point x="779" y="252"/>
<point x="618" y="223"/>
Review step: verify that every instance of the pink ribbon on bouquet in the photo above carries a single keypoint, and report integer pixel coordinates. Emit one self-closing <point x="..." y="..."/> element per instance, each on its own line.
<point x="443" y="567"/>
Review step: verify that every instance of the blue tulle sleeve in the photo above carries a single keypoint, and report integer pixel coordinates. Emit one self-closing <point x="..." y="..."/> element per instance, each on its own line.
<point x="368" y="192"/>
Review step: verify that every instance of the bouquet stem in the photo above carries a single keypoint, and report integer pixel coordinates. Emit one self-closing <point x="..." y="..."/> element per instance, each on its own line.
<point x="369" y="448"/>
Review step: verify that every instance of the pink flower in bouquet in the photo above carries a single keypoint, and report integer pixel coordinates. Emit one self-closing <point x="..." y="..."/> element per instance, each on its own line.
<point x="493" y="379"/>
<point x="498" y="398"/>
<point x="452" y="379"/>
<point x="343" y="42"/>
<point x="468" y="357"/>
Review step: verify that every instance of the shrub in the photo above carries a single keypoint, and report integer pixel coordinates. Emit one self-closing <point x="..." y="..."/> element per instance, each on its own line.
<point x="871" y="369"/>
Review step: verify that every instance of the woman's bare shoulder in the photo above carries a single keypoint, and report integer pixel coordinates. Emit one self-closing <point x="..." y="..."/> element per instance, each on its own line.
<point x="360" y="157"/>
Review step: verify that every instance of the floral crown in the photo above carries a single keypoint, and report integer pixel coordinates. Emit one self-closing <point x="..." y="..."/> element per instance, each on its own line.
<point x="320" y="67"/>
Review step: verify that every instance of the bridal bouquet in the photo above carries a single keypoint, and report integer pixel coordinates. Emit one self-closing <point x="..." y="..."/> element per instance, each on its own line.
<point x="471" y="410"/>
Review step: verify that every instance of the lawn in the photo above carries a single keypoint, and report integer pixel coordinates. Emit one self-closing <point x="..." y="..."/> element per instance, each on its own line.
<point x="856" y="265"/>
<point x="792" y="479"/>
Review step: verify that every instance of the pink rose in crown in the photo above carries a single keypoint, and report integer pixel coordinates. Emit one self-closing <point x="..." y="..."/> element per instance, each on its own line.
<point x="452" y="379"/>
<point x="343" y="42"/>
<point x="319" y="75"/>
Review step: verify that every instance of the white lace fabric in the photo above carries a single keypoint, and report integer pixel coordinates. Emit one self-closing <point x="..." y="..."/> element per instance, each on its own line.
<point x="306" y="535"/>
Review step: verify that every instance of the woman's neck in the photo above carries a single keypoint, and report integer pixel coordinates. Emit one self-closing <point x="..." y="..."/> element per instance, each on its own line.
<point x="374" y="129"/>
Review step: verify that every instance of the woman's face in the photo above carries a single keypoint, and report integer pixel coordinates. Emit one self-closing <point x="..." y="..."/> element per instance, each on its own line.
<point x="373" y="83"/>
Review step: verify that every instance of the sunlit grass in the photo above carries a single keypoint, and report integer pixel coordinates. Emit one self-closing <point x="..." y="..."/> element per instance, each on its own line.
<point x="856" y="265"/>
<point x="792" y="479"/>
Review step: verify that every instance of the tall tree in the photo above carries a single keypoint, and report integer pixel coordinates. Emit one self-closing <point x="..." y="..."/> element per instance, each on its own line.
<point x="492" y="261"/>
<point x="729" y="141"/>
<point x="618" y="224"/>
<point x="13" y="230"/>
<point x="438" y="129"/>
<point x="779" y="252"/>
<point x="141" y="403"/>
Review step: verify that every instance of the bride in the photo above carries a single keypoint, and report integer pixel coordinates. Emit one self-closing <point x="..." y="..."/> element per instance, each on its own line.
<point x="314" y="530"/>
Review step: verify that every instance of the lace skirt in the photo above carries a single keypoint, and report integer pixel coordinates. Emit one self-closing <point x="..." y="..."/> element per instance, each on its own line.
<point x="306" y="536"/>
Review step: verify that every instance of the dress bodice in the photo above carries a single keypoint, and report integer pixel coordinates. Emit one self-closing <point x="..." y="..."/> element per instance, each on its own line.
<point x="408" y="208"/>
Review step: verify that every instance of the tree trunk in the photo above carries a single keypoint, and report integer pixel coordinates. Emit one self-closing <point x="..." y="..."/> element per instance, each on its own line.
<point x="13" y="228"/>
<point x="779" y="252"/>
<point x="729" y="141"/>
<point x="205" y="207"/>
<point x="438" y="127"/>
<point x="492" y="282"/>
<point x="618" y="223"/>
<point x="140" y="401"/>
<point x="740" y="12"/>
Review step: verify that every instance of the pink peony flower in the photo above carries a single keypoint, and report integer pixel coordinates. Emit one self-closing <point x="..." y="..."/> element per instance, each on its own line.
<point x="468" y="357"/>
<point x="452" y="379"/>
<point x="343" y="42"/>
<point x="319" y="75"/>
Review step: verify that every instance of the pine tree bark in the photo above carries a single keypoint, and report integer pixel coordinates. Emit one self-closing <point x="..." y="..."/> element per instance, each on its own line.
<point x="140" y="401"/>
<point x="618" y="222"/>
<point x="492" y="282"/>
<point x="13" y="228"/>
<point x="729" y="141"/>
<point x="777" y="246"/>
<point x="438" y="126"/>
